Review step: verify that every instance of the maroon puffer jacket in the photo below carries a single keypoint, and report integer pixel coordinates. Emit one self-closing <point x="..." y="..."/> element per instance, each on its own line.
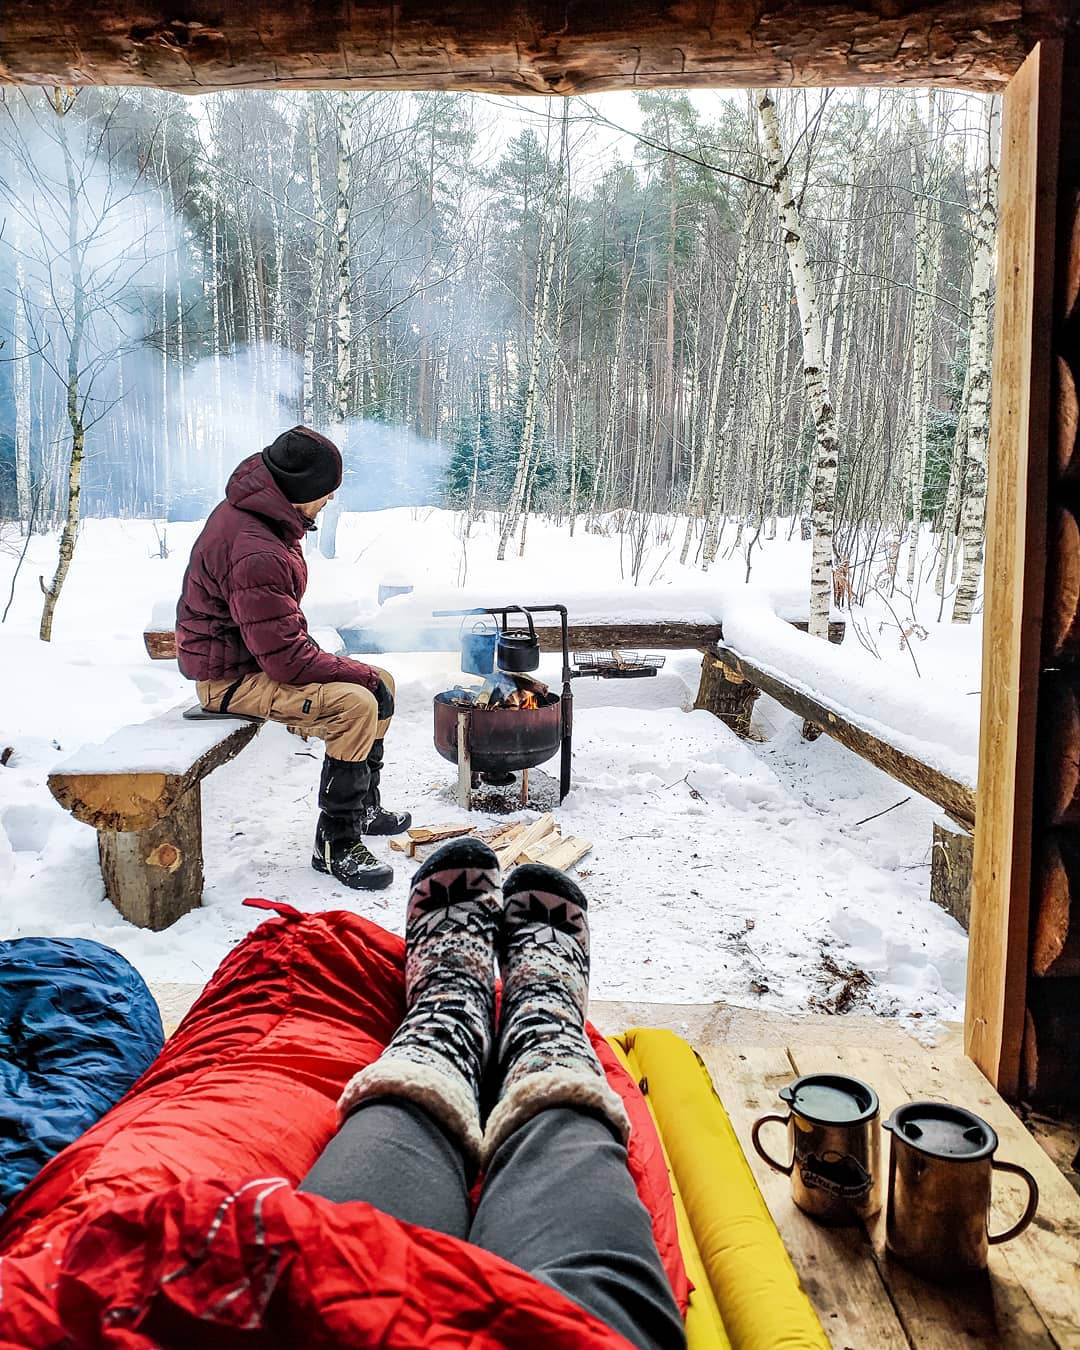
<point x="239" y="610"/>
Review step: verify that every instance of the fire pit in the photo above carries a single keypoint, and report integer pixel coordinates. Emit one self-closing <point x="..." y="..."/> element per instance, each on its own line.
<point x="499" y="740"/>
<point x="513" y="722"/>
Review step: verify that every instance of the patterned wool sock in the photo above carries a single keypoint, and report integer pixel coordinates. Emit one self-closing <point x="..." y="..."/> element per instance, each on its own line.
<point x="544" y="1056"/>
<point x="438" y="1055"/>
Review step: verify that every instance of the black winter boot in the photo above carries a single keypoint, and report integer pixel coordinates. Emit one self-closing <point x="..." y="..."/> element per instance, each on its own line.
<point x="341" y="853"/>
<point x="376" y="819"/>
<point x="339" y="849"/>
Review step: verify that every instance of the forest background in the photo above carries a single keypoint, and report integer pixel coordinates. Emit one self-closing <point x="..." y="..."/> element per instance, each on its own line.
<point x="696" y="319"/>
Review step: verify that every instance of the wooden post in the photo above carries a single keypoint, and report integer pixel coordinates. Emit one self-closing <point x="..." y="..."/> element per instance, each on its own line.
<point x="950" y="872"/>
<point x="1016" y="547"/>
<point x="154" y="876"/>
<point x="727" y="695"/>
<point x="464" y="761"/>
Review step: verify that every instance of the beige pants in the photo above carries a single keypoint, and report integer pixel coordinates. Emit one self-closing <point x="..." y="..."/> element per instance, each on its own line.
<point x="343" y="715"/>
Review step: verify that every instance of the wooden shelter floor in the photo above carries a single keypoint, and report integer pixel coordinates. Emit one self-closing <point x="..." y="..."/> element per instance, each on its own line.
<point x="1031" y="1293"/>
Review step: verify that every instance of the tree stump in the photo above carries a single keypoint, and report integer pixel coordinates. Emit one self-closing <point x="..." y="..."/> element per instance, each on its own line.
<point x="727" y="695"/>
<point x="950" y="872"/>
<point x="154" y="876"/>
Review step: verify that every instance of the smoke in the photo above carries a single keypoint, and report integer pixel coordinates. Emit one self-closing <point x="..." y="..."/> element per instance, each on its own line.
<point x="164" y="431"/>
<point x="233" y="405"/>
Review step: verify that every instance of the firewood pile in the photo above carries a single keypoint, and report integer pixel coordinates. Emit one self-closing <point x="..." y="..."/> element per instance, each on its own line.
<point x="518" y="841"/>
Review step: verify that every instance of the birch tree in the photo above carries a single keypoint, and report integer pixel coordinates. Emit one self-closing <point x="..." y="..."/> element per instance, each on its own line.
<point x="973" y="510"/>
<point x="815" y="375"/>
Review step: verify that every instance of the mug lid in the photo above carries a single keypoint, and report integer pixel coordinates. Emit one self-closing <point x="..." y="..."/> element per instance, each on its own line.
<point x="831" y="1099"/>
<point x="943" y="1131"/>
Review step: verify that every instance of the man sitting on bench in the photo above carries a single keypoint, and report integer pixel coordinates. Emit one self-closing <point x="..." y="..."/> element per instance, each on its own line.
<point x="240" y="633"/>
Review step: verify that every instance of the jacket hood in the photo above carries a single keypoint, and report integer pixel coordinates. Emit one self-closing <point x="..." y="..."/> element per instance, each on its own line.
<point x="252" y="488"/>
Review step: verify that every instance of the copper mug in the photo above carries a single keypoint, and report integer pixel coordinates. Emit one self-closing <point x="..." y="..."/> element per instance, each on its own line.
<point x="941" y="1163"/>
<point x="835" y="1144"/>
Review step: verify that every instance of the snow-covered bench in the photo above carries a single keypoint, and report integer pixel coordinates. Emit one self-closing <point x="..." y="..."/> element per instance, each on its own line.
<point x="140" y="790"/>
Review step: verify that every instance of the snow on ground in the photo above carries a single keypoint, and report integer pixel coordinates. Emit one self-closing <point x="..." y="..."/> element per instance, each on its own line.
<point x="721" y="869"/>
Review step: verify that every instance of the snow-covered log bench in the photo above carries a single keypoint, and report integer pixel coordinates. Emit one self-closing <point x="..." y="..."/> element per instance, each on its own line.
<point x="141" y="791"/>
<point x="955" y="798"/>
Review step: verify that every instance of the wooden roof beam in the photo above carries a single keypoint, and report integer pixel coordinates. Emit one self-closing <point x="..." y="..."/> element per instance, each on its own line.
<point x="529" y="47"/>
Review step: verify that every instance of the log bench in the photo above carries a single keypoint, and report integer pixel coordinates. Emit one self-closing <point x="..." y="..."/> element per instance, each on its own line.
<point x="141" y="790"/>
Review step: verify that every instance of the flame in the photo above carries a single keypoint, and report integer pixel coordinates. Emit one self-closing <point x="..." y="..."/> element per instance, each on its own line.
<point x="528" y="699"/>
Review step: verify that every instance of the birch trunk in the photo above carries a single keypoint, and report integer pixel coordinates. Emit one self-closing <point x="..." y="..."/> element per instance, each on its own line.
<point x="342" y="317"/>
<point x="815" y="375"/>
<point x="710" y="451"/>
<point x="317" y="262"/>
<point x="21" y="380"/>
<point x="926" y="257"/>
<point x="70" y="532"/>
<point x="973" y="511"/>
<point x="545" y="270"/>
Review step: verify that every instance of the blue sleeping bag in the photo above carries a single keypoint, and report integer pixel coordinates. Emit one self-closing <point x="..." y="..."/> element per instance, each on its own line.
<point x="77" y="1027"/>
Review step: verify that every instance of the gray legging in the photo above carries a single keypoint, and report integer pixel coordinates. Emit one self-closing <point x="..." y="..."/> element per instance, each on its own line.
<point x="558" y="1201"/>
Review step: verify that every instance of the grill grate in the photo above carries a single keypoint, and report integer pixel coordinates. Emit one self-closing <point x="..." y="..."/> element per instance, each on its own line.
<point x="617" y="664"/>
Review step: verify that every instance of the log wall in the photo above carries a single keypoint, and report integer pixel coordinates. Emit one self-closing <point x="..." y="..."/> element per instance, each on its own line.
<point x="1051" y="1043"/>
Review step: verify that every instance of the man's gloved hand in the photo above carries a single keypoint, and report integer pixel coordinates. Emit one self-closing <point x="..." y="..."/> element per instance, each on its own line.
<point x="385" y="699"/>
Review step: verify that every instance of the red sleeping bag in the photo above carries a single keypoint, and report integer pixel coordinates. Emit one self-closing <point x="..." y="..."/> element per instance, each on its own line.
<point x="175" y="1221"/>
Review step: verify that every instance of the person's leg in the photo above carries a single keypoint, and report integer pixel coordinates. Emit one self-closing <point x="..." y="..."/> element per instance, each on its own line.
<point x="558" y="1198"/>
<point x="437" y="1057"/>
<point x="559" y="1201"/>
<point x="396" y="1157"/>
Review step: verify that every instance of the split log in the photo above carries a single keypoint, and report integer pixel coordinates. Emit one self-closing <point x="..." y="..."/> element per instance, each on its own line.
<point x="160" y="644"/>
<point x="1061" y="617"/>
<point x="951" y="863"/>
<point x="532" y="47"/>
<point x="134" y="797"/>
<point x="1068" y="420"/>
<point x="154" y="876"/>
<point x="1055" y="944"/>
<point x="149" y="820"/>
<point x="726" y="695"/>
<point x="561" y="855"/>
<point x="955" y="798"/>
<point x="1051" y="1045"/>
<point x="512" y="852"/>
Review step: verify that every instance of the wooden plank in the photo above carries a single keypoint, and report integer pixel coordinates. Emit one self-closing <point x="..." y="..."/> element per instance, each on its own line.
<point x="1046" y="1258"/>
<point x="836" y="1265"/>
<point x="957" y="799"/>
<point x="993" y="1311"/>
<point x="133" y="802"/>
<point x="1015" y="567"/>
<point x="531" y="47"/>
<point x="563" y="854"/>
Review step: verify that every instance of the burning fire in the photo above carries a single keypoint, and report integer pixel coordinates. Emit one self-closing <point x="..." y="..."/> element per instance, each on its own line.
<point x="522" y="698"/>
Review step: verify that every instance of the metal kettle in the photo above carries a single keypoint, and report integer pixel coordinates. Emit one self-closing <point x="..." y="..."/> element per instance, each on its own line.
<point x="518" y="650"/>
<point x="940" y="1167"/>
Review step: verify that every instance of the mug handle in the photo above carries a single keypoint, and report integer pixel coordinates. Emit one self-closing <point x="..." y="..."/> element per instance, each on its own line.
<point x="1032" y="1202"/>
<point x="755" y="1130"/>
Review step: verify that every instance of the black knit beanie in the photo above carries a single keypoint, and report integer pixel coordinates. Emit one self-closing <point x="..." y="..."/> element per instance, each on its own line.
<point x="305" y="465"/>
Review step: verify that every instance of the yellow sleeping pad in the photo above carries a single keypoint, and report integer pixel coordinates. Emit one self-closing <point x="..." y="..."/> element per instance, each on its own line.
<point x="704" y="1325"/>
<point x="757" y="1301"/>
